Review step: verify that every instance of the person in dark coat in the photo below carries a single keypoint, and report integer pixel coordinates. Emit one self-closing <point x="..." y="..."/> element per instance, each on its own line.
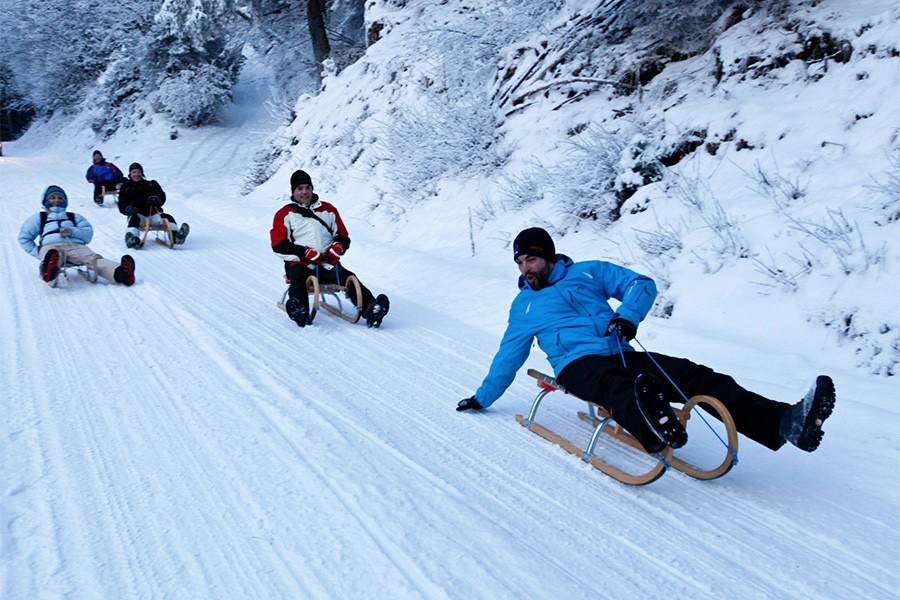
<point x="140" y="199"/>
<point x="565" y="305"/>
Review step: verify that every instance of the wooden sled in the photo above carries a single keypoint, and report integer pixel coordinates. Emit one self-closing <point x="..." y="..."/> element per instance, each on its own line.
<point x="163" y="234"/>
<point x="111" y="191"/>
<point x="331" y="297"/>
<point x="604" y="424"/>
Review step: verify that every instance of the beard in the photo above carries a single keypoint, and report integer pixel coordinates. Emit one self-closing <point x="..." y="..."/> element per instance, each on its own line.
<point x="538" y="279"/>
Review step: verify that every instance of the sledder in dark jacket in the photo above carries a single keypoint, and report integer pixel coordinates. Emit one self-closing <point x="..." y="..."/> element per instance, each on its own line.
<point x="565" y="305"/>
<point x="311" y="238"/>
<point x="141" y="199"/>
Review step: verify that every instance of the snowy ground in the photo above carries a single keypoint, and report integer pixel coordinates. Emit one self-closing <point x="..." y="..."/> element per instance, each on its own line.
<point x="183" y="439"/>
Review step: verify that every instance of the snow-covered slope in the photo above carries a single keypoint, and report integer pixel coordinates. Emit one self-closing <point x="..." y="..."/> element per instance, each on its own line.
<point x="183" y="439"/>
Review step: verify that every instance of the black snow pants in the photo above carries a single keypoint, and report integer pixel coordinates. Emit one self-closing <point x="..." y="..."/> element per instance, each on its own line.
<point x="605" y="381"/>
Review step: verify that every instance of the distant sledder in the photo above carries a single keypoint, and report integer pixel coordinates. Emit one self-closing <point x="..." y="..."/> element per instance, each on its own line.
<point x="141" y="200"/>
<point x="565" y="306"/>
<point x="59" y="239"/>
<point x="106" y="177"/>
<point x="311" y="238"/>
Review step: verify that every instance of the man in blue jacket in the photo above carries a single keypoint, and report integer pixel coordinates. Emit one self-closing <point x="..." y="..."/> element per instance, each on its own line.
<point x="565" y="305"/>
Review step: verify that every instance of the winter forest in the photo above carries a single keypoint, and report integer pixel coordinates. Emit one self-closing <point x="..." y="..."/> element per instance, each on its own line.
<point x="744" y="154"/>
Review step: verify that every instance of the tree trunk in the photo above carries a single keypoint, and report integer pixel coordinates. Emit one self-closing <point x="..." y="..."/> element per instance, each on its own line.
<point x="316" y="18"/>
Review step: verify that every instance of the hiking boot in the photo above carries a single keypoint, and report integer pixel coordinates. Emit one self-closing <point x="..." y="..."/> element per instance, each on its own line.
<point x="297" y="312"/>
<point x="124" y="273"/>
<point x="132" y="240"/>
<point x="181" y="234"/>
<point x="377" y="310"/>
<point x="50" y="266"/>
<point x="801" y="424"/>
<point x="98" y="200"/>
<point x="658" y="413"/>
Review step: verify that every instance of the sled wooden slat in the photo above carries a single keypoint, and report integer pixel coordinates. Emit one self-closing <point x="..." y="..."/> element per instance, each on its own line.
<point x="601" y="465"/>
<point x="731" y="452"/>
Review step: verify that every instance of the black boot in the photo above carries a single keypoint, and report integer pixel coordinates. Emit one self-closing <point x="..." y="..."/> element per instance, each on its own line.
<point x="801" y="425"/>
<point x="377" y="310"/>
<point x="297" y="312"/>
<point x="657" y="412"/>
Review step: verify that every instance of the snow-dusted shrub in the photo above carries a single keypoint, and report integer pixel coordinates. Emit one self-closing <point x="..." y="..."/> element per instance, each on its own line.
<point x="513" y="192"/>
<point x="889" y="189"/>
<point x="839" y="236"/>
<point x="442" y="136"/>
<point x="777" y="186"/>
<point x="194" y="96"/>
<point x="696" y="195"/>
<point x="664" y="240"/>
<point x="586" y="183"/>
<point x="596" y="47"/>
<point x="267" y="162"/>
<point x="780" y="276"/>
<point x="874" y="339"/>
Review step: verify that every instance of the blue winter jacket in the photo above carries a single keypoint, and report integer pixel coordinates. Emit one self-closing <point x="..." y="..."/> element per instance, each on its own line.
<point x="32" y="237"/>
<point x="569" y="318"/>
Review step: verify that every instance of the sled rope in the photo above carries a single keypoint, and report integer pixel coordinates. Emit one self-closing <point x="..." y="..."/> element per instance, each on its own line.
<point x="686" y="399"/>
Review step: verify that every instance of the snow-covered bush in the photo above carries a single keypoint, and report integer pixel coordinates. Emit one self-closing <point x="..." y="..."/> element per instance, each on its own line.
<point x="888" y="189"/>
<point x="703" y="205"/>
<point x="585" y="182"/>
<point x="608" y="45"/>
<point x="194" y="96"/>
<point x="875" y="338"/>
<point x="443" y="136"/>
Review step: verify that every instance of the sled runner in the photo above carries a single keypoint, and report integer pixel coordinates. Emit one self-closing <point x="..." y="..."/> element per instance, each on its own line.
<point x="334" y="298"/>
<point x="159" y="225"/>
<point x="649" y="467"/>
<point x="62" y="280"/>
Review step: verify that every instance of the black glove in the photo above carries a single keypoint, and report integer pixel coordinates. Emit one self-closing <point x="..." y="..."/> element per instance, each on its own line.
<point x="130" y="210"/>
<point x="621" y="328"/>
<point x="154" y="201"/>
<point x="469" y="404"/>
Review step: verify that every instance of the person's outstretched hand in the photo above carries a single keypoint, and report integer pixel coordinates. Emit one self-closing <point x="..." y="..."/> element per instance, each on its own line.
<point x="469" y="404"/>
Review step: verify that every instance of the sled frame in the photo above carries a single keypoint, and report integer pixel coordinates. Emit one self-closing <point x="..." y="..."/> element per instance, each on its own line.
<point x="163" y="233"/>
<point x="603" y="423"/>
<point x="331" y="297"/>
<point x="86" y="271"/>
<point x="104" y="192"/>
